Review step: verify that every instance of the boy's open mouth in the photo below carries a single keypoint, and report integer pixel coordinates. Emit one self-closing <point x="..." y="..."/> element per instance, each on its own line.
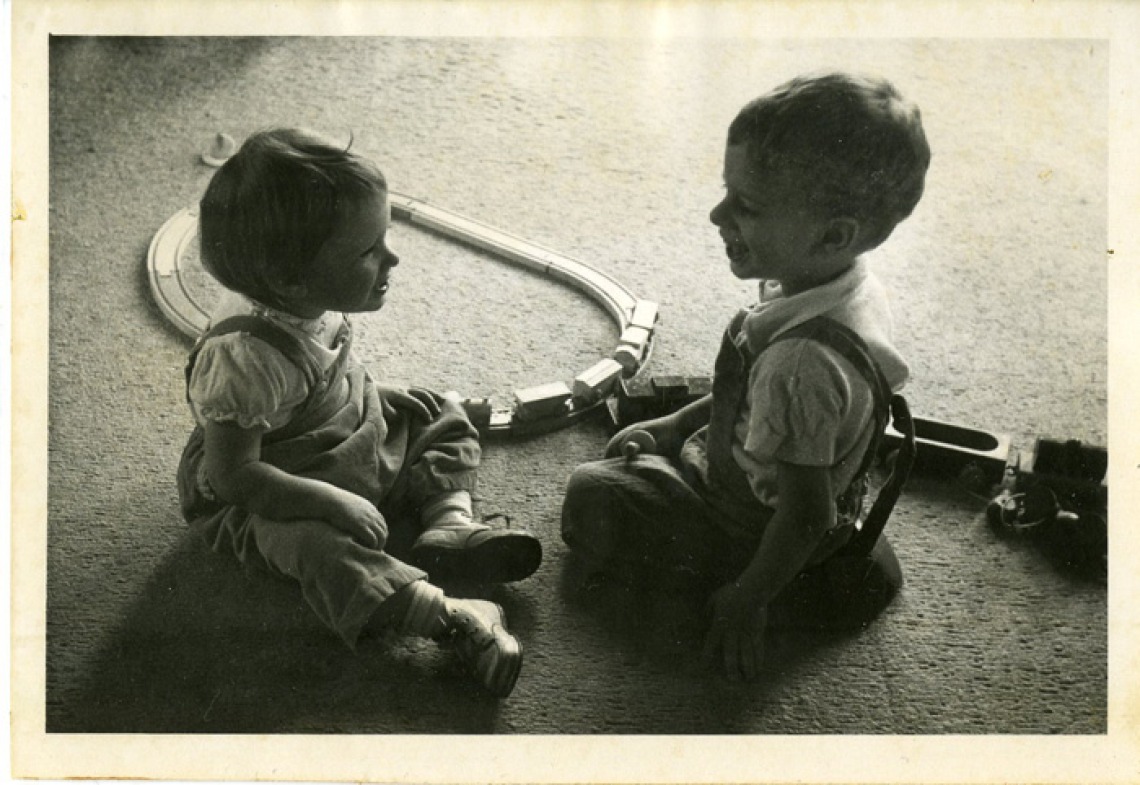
<point x="737" y="250"/>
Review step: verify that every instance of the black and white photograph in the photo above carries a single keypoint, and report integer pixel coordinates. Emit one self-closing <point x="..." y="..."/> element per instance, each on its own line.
<point x="472" y="392"/>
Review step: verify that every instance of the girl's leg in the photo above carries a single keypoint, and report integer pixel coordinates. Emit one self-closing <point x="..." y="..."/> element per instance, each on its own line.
<point x="454" y="545"/>
<point x="437" y="456"/>
<point x="846" y="591"/>
<point x="350" y="586"/>
<point x="476" y="628"/>
<point x="442" y="460"/>
<point x="343" y="581"/>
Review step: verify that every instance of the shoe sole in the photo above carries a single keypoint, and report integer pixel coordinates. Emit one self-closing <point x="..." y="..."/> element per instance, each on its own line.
<point x="501" y="681"/>
<point x="507" y="673"/>
<point x="502" y="559"/>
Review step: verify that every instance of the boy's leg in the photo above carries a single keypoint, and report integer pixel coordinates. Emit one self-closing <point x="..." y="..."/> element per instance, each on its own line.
<point x="845" y="591"/>
<point x="641" y="522"/>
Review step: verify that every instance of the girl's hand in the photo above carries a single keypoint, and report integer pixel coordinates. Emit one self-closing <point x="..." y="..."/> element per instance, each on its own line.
<point x="359" y="518"/>
<point x="422" y="403"/>
<point x="737" y="632"/>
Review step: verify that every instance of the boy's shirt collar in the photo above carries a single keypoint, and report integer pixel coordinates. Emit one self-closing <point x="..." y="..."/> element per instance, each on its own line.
<point x="768" y="319"/>
<point x="855" y="294"/>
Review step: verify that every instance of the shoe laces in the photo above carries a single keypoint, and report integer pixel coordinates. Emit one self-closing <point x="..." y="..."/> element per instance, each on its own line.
<point x="470" y="627"/>
<point x="495" y="516"/>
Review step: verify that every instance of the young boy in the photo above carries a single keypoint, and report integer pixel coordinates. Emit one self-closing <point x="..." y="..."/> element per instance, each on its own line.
<point x="761" y="484"/>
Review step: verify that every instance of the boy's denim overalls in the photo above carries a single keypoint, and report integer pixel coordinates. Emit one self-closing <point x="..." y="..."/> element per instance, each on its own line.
<point x="655" y="521"/>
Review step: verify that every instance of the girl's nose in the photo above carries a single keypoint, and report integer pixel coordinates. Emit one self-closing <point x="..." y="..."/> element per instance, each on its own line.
<point x="391" y="260"/>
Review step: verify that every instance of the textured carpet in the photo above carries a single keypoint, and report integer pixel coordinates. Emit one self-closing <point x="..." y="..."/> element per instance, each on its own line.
<point x="609" y="151"/>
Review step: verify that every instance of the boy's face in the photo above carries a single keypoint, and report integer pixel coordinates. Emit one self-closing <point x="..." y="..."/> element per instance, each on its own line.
<point x="768" y="230"/>
<point x="352" y="268"/>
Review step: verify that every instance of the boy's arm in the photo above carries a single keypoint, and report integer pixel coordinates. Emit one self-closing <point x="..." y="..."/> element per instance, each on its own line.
<point x="239" y="476"/>
<point x="804" y="511"/>
<point x="692" y="417"/>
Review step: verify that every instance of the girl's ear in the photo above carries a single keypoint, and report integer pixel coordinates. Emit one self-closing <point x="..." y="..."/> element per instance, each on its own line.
<point x="291" y="290"/>
<point x="840" y="235"/>
<point x="290" y="293"/>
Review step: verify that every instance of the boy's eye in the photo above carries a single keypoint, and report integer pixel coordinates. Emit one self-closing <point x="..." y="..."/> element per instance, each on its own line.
<point x="744" y="207"/>
<point x="740" y="205"/>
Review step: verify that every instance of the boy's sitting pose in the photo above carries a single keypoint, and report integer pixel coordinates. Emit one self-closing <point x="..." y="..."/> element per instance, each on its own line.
<point x="761" y="484"/>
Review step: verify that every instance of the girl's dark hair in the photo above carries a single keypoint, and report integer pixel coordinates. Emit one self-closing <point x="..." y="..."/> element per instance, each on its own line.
<point x="270" y="208"/>
<point x="856" y="147"/>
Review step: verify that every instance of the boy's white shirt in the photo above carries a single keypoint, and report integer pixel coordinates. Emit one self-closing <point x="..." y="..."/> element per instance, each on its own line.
<point x="806" y="405"/>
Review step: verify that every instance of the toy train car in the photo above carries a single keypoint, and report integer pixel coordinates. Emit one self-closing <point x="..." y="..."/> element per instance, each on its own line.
<point x="976" y="456"/>
<point x="635" y="336"/>
<point x="479" y="412"/>
<point x="597" y="381"/>
<point x="644" y="397"/>
<point x="1076" y="472"/>
<point x="545" y="400"/>
<point x="644" y="315"/>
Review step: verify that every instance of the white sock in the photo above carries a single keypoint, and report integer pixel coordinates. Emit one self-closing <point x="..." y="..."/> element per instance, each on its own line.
<point x="427" y="615"/>
<point x="450" y="508"/>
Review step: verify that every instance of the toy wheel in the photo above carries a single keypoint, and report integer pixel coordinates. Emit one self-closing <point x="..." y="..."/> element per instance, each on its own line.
<point x="1020" y="513"/>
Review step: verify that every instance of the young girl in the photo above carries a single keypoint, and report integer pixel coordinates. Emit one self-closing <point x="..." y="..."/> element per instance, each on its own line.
<point x="300" y="461"/>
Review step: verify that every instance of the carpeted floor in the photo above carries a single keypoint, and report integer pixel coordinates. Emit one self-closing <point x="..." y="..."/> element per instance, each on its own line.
<point x="607" y="150"/>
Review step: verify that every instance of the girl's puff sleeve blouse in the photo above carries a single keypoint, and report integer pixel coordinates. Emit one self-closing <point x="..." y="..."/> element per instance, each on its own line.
<point x="241" y="379"/>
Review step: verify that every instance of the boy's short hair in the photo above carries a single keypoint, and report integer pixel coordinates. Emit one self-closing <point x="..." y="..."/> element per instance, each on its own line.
<point x="854" y="144"/>
<point x="270" y="208"/>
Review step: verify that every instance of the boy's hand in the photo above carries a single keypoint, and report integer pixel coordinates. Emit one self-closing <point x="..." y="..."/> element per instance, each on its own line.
<point x="669" y="431"/>
<point x="422" y="403"/>
<point x="359" y="518"/>
<point x="661" y="429"/>
<point x="737" y="632"/>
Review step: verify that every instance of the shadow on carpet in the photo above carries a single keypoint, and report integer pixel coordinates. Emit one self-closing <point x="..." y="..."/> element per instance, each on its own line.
<point x="211" y="647"/>
<point x="214" y="648"/>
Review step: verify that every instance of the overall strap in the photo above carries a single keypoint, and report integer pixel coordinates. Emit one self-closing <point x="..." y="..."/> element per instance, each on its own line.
<point x="852" y="348"/>
<point x="289" y="345"/>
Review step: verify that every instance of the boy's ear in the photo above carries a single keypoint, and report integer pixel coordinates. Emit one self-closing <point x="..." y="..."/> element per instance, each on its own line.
<point x="840" y="234"/>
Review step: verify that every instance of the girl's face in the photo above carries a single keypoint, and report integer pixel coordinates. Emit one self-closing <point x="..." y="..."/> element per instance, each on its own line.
<point x="351" y="271"/>
<point x="768" y="231"/>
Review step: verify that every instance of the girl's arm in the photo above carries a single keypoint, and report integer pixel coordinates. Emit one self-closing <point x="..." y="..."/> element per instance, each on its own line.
<point x="239" y="476"/>
<point x="804" y="511"/>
